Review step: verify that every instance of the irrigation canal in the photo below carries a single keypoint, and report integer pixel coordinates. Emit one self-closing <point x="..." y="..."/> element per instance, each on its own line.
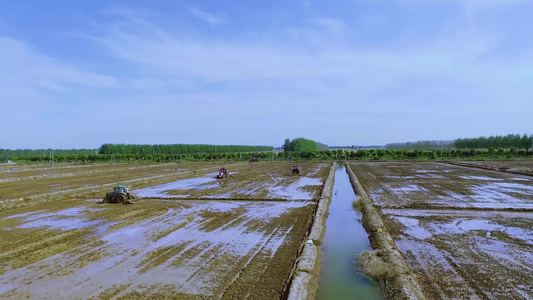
<point x="345" y="238"/>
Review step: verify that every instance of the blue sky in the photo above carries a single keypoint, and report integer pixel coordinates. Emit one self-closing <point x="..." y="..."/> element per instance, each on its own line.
<point x="76" y="74"/>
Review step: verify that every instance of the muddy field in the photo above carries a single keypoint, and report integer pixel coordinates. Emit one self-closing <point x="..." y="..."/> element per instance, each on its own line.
<point x="434" y="185"/>
<point x="24" y="182"/>
<point x="179" y="248"/>
<point x="269" y="181"/>
<point x="454" y="226"/>
<point x="513" y="166"/>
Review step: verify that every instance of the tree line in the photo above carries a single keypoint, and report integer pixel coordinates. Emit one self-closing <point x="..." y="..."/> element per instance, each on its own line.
<point x="509" y="141"/>
<point x="497" y="142"/>
<point x="45" y="152"/>
<point x="328" y="155"/>
<point x="143" y="149"/>
<point x="426" y="145"/>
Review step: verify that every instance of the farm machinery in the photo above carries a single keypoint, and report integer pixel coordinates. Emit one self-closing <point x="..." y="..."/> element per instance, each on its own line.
<point x="120" y="194"/>
<point x="223" y="173"/>
<point x="296" y="170"/>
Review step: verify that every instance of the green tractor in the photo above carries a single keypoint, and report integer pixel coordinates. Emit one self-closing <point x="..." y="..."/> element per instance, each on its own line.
<point x="120" y="194"/>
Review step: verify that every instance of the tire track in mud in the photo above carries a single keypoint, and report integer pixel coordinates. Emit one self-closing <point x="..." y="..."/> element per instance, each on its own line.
<point x="49" y="268"/>
<point x="465" y="276"/>
<point x="246" y="265"/>
<point x="263" y="271"/>
<point x="366" y="185"/>
<point x="41" y="256"/>
<point x="199" y="264"/>
<point x="72" y="260"/>
<point x="173" y="250"/>
<point x="224" y="249"/>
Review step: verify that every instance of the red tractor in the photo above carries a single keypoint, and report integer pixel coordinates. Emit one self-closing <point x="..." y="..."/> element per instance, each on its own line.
<point x="223" y="173"/>
<point x="296" y="170"/>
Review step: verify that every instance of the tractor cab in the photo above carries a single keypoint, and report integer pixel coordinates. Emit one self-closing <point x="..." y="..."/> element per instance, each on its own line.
<point x="121" y="189"/>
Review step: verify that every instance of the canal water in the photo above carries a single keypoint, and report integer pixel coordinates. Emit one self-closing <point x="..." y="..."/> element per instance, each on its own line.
<point x="344" y="239"/>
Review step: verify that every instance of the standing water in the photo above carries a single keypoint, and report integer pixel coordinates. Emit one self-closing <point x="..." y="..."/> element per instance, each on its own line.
<point x="345" y="239"/>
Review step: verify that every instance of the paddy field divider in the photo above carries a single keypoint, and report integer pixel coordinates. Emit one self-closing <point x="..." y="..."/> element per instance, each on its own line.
<point x="385" y="263"/>
<point x="304" y="278"/>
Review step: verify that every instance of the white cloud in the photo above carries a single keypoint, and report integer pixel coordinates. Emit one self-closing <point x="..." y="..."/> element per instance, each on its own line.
<point x="317" y="76"/>
<point x="450" y="59"/>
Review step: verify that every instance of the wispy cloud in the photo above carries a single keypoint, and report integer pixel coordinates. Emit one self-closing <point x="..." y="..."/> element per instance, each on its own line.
<point x="29" y="70"/>
<point x="206" y="16"/>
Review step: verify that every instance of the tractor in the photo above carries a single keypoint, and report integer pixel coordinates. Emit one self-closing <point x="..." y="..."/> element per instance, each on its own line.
<point x="296" y="170"/>
<point x="120" y="194"/>
<point x="223" y="173"/>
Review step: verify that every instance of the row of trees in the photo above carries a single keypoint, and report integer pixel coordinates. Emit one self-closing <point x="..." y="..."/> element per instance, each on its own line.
<point x="362" y="154"/>
<point x="178" y="149"/>
<point x="45" y="152"/>
<point x="157" y="157"/>
<point x="427" y="145"/>
<point x="497" y="142"/>
<point x="299" y="144"/>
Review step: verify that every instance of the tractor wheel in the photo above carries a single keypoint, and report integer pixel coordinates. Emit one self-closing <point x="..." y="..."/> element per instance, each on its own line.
<point x="108" y="198"/>
<point x="121" y="198"/>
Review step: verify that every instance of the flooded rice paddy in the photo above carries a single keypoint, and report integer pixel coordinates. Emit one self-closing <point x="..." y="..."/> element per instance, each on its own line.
<point x="208" y="186"/>
<point x="199" y="248"/>
<point x="182" y="248"/>
<point x="455" y="229"/>
<point x="465" y="232"/>
<point x="440" y="185"/>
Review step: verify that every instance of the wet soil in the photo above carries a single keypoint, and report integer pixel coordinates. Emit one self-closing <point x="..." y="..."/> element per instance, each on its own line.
<point x="467" y="255"/>
<point x="58" y="242"/>
<point x="77" y="181"/>
<point x="465" y="243"/>
<point x="160" y="249"/>
<point x="400" y="184"/>
<point x="524" y="167"/>
<point x="249" y="181"/>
